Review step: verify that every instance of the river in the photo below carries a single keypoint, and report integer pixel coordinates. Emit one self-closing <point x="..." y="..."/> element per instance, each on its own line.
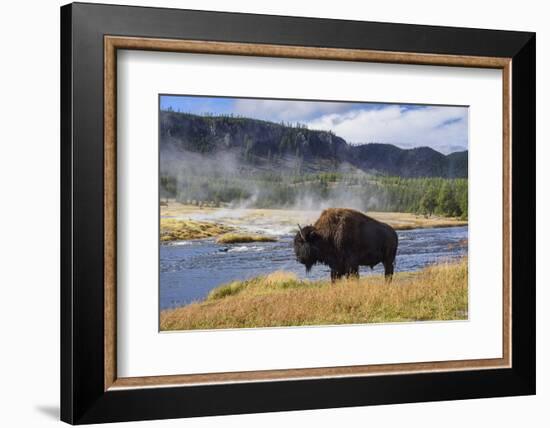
<point x="190" y="269"/>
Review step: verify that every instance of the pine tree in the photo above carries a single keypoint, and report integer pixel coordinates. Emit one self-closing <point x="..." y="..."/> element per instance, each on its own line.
<point x="446" y="202"/>
<point x="428" y="202"/>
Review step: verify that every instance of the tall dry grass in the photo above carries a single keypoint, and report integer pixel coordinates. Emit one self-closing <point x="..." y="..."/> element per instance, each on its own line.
<point x="439" y="292"/>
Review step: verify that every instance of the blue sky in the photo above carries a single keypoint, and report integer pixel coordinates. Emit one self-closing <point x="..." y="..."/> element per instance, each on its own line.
<point x="444" y="128"/>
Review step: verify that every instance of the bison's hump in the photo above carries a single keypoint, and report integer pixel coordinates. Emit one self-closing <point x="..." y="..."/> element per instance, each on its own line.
<point x="335" y="215"/>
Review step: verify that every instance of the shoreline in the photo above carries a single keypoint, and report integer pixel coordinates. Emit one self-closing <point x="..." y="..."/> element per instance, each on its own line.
<point x="257" y="302"/>
<point x="190" y="222"/>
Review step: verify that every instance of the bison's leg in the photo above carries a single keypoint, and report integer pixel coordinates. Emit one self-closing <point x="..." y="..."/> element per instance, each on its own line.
<point x="388" y="270"/>
<point x="336" y="274"/>
<point x="353" y="272"/>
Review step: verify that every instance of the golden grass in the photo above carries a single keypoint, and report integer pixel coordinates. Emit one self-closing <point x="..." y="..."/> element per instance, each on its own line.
<point x="240" y="238"/>
<point x="178" y="230"/>
<point x="439" y="292"/>
<point x="407" y="221"/>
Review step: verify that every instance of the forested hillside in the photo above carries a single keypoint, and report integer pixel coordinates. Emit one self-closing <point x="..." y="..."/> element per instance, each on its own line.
<point x="268" y="145"/>
<point x="247" y="162"/>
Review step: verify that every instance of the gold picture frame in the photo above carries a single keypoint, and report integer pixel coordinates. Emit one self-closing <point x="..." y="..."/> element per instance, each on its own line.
<point x="114" y="43"/>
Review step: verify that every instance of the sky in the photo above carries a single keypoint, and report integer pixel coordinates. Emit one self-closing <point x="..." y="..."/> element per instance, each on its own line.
<point x="443" y="128"/>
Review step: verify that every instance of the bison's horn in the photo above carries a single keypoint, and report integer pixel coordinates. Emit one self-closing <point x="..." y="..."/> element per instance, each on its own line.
<point x="301" y="232"/>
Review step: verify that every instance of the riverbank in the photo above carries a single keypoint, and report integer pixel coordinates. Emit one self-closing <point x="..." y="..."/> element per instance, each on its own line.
<point x="183" y="230"/>
<point x="271" y="222"/>
<point x="438" y="292"/>
<point x="243" y="238"/>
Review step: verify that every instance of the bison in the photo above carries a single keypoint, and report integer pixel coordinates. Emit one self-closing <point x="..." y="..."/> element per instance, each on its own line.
<point x="345" y="239"/>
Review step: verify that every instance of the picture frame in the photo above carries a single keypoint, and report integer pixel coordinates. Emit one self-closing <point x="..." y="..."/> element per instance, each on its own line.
<point x="91" y="35"/>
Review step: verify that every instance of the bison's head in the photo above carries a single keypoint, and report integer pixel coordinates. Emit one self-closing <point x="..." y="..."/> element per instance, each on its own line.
<point x="306" y="246"/>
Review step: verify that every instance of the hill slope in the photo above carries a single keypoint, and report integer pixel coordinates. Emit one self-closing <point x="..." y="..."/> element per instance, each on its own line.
<point x="266" y="145"/>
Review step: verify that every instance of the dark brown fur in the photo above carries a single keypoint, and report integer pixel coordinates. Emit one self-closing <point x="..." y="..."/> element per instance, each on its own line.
<point x="345" y="239"/>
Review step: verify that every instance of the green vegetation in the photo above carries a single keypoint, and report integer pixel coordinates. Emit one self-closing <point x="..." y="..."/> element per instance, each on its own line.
<point x="439" y="292"/>
<point x="241" y="238"/>
<point x="441" y="196"/>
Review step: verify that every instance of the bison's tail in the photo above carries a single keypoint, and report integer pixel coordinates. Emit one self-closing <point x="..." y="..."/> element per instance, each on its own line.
<point x="391" y="256"/>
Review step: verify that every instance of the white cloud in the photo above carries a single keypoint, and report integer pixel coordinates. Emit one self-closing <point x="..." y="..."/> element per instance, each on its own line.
<point x="288" y="111"/>
<point x="443" y="128"/>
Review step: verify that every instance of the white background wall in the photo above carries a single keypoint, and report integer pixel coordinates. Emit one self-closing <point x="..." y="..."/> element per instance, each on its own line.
<point x="29" y="214"/>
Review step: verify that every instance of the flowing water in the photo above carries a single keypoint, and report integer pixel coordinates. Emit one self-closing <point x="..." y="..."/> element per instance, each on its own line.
<point x="190" y="269"/>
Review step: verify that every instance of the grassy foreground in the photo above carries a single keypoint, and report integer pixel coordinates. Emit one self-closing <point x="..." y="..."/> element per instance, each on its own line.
<point x="439" y="292"/>
<point x="178" y="230"/>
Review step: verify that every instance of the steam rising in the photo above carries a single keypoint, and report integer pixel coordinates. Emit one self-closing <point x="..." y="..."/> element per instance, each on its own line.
<point x="223" y="179"/>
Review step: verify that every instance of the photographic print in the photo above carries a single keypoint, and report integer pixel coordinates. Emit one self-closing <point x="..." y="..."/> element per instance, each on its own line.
<point x="215" y="192"/>
<point x="286" y="213"/>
